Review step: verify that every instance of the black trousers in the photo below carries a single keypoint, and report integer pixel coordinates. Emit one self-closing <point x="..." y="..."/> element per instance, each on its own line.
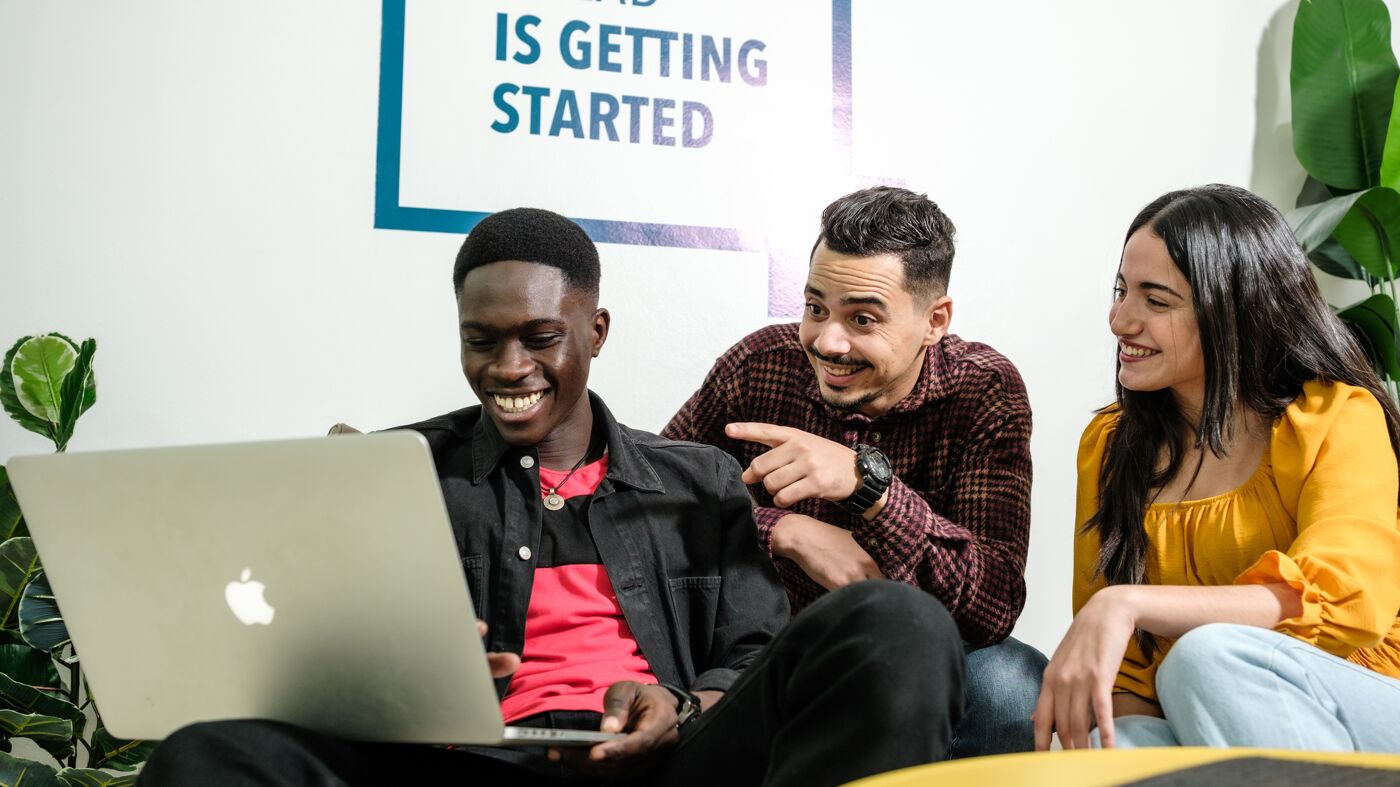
<point x="866" y="680"/>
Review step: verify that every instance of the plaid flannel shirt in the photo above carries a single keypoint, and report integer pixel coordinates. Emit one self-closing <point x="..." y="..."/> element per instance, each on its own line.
<point x="957" y="520"/>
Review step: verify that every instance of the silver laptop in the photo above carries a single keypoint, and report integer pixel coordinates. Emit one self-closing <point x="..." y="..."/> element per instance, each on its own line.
<point x="312" y="581"/>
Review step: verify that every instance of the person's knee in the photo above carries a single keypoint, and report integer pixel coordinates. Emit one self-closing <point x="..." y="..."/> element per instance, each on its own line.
<point x="188" y="749"/>
<point x="1198" y="661"/>
<point x="1005" y="676"/>
<point x="894" y="608"/>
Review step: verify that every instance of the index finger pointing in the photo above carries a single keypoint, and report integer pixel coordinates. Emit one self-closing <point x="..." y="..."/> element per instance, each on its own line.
<point x="767" y="434"/>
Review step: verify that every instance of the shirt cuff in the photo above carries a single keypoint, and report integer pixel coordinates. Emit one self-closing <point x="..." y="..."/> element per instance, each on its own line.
<point x="1274" y="567"/>
<point x="907" y="513"/>
<point x="766" y="518"/>
<point x="718" y="679"/>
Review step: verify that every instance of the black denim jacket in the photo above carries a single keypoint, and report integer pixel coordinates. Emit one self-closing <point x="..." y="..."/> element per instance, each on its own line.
<point x="672" y="521"/>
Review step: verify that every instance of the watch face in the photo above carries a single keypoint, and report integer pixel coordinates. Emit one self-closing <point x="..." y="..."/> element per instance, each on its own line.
<point x="877" y="466"/>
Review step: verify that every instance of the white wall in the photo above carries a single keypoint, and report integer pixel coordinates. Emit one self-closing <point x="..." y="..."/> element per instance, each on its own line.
<point x="192" y="184"/>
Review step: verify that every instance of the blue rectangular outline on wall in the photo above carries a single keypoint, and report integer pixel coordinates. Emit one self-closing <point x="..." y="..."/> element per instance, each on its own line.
<point x="390" y="215"/>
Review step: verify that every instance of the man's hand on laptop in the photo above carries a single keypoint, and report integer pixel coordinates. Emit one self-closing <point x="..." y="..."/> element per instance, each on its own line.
<point x="646" y="713"/>
<point x="501" y="664"/>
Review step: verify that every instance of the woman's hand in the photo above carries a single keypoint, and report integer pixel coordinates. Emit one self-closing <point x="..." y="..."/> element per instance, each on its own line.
<point x="1078" y="684"/>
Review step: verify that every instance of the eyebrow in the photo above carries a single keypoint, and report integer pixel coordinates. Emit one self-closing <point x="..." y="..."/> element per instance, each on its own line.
<point x="1152" y="285"/>
<point x="863" y="300"/>
<point x="529" y="325"/>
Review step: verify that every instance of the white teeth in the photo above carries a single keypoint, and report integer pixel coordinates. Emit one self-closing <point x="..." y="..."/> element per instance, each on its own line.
<point x="517" y="404"/>
<point x="1135" y="352"/>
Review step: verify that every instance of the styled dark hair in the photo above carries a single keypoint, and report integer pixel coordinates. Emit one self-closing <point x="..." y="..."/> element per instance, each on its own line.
<point x="530" y="235"/>
<point x="1264" y="330"/>
<point x="884" y="220"/>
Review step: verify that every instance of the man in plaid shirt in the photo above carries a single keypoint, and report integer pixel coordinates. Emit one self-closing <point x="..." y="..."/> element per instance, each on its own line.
<point x="879" y="446"/>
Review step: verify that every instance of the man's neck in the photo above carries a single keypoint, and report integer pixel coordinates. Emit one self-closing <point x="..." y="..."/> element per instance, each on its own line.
<point x="567" y="445"/>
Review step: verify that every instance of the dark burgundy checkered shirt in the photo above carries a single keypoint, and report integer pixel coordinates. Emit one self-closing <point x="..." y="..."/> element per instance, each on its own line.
<point x="957" y="519"/>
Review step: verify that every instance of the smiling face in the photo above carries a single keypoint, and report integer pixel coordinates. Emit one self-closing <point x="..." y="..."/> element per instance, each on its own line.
<point x="1154" y="318"/>
<point x="528" y="339"/>
<point x="864" y="334"/>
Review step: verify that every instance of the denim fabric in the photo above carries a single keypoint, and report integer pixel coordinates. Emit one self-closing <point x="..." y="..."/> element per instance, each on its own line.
<point x="1003" y="683"/>
<point x="673" y="524"/>
<point x="1229" y="685"/>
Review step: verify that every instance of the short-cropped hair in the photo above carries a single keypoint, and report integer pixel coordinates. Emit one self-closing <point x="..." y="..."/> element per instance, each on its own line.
<point x="531" y="235"/>
<point x="890" y="220"/>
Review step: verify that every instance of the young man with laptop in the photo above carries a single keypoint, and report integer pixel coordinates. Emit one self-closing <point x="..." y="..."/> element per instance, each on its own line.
<point x="619" y="576"/>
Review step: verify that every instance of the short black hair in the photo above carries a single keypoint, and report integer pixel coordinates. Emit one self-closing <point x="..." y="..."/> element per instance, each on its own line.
<point x="531" y="235"/>
<point x="887" y="219"/>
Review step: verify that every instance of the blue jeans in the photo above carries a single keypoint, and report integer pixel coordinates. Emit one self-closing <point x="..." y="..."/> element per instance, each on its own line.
<point x="1003" y="683"/>
<point x="1229" y="685"/>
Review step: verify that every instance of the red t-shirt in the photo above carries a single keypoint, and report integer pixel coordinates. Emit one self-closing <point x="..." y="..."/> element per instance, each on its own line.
<point x="577" y="643"/>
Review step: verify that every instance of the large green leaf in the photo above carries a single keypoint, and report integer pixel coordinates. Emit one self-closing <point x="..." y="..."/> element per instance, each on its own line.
<point x="40" y="621"/>
<point x="90" y="777"/>
<point x="1390" y="162"/>
<point x="23" y="663"/>
<point x="19" y="563"/>
<point x="1343" y="82"/>
<point x="16" y="772"/>
<point x="1374" y="323"/>
<point x="9" y="397"/>
<point x="11" y="518"/>
<point x="27" y="699"/>
<point x="1313" y="224"/>
<point x="53" y="734"/>
<point x="74" y="395"/>
<point x="110" y="752"/>
<point x="1370" y="232"/>
<point x="1331" y="258"/>
<point x="39" y="367"/>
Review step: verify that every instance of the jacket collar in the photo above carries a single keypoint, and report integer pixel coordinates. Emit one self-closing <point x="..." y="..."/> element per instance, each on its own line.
<point x="626" y="465"/>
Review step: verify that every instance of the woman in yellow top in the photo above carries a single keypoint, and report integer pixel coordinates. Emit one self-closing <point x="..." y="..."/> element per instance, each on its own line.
<point x="1237" y="555"/>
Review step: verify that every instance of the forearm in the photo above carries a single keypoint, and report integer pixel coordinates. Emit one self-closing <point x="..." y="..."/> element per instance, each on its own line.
<point x="1172" y="610"/>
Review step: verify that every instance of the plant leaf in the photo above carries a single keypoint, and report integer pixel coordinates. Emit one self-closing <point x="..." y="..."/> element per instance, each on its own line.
<point x="17" y="772"/>
<point x="9" y="397"/>
<point x="19" y="563"/>
<point x="110" y="752"/>
<point x="1313" y="224"/>
<point x="74" y="394"/>
<point x="1343" y="81"/>
<point x="1313" y="192"/>
<point x="24" y="664"/>
<point x="27" y="699"/>
<point x="91" y="777"/>
<point x="11" y="518"/>
<point x="39" y="368"/>
<point x="1374" y="323"/>
<point x="55" y="735"/>
<point x="1331" y="258"/>
<point x="40" y="621"/>
<point x="1370" y="232"/>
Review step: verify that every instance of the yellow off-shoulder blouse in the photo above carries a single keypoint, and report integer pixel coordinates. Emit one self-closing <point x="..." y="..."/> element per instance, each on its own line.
<point x="1319" y="514"/>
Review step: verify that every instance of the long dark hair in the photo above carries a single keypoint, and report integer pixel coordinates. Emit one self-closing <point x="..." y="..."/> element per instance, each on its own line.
<point x="1265" y="330"/>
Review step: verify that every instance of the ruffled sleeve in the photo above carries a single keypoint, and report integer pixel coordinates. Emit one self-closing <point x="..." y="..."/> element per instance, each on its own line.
<point x="1337" y="477"/>
<point x="1086" y="544"/>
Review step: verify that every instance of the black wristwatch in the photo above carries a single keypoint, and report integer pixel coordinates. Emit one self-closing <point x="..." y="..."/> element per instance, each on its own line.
<point x="875" y="476"/>
<point x="687" y="705"/>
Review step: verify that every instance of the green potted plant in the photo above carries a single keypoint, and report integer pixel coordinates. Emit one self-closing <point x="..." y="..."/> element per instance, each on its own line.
<point x="1346" y="134"/>
<point x="46" y="384"/>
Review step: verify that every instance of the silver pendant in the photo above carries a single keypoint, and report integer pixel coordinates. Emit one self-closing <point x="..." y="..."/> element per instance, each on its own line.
<point x="553" y="501"/>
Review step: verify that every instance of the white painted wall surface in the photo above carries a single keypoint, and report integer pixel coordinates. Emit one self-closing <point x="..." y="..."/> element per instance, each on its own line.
<point x="192" y="184"/>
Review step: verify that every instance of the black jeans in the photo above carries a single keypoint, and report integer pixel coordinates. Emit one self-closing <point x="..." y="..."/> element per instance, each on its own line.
<point x="867" y="679"/>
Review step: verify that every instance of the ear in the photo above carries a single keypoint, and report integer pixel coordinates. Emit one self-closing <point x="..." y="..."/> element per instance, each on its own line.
<point x="939" y="314"/>
<point x="602" y="320"/>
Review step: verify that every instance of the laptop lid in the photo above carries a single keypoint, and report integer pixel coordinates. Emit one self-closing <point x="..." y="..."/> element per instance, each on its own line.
<point x="313" y="581"/>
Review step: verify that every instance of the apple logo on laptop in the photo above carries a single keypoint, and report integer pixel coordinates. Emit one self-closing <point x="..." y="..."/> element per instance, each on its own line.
<point x="245" y="598"/>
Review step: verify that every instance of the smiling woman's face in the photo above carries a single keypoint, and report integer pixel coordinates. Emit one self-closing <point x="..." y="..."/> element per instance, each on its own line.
<point x="1154" y="318"/>
<point x="528" y="339"/>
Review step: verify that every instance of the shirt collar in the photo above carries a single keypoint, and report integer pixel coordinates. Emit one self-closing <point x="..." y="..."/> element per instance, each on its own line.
<point x="626" y="465"/>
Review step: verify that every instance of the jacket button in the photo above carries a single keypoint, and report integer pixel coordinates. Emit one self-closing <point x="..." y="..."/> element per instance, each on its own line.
<point x="874" y="437"/>
<point x="524" y="553"/>
<point x="527" y="462"/>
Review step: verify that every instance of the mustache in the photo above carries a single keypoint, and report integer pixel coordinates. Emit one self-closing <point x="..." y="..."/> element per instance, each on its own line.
<point x="835" y="360"/>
